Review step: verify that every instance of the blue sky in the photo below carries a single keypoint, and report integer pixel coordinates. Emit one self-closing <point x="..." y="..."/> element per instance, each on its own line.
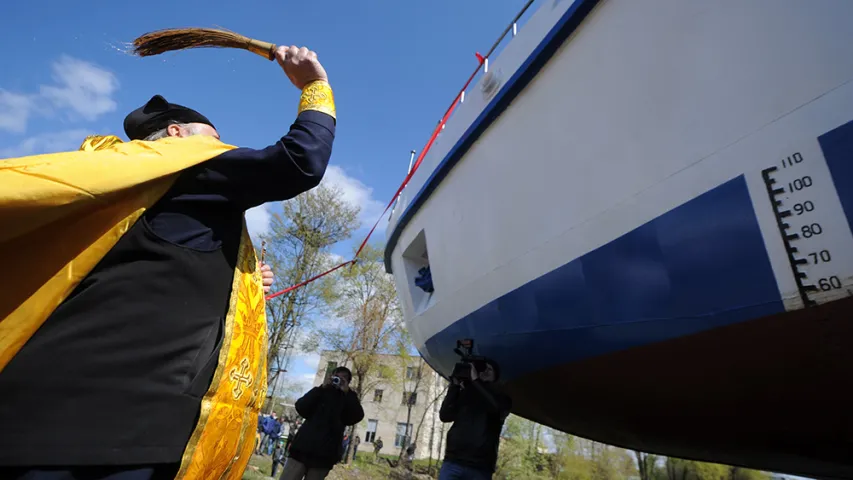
<point x="395" y="66"/>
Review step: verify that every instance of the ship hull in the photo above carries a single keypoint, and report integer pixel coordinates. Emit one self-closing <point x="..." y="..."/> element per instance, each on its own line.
<point x="643" y="213"/>
<point x="766" y="393"/>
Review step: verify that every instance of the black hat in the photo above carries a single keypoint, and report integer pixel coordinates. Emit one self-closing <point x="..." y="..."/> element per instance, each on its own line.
<point x="158" y="114"/>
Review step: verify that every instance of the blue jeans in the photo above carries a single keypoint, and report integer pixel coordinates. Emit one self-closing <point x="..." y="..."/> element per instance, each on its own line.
<point x="268" y="444"/>
<point x="453" y="471"/>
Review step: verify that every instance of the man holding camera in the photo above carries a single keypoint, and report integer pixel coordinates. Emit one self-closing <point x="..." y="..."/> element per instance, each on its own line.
<point x="478" y="411"/>
<point x="328" y="410"/>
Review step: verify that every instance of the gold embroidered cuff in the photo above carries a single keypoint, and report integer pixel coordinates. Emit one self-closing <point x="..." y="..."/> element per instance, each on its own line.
<point x="318" y="96"/>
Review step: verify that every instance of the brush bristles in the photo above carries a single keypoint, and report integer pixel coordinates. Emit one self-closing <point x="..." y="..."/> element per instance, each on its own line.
<point x="168" y="40"/>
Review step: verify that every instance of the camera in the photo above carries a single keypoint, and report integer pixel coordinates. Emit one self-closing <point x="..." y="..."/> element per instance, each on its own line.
<point x="336" y="381"/>
<point x="462" y="369"/>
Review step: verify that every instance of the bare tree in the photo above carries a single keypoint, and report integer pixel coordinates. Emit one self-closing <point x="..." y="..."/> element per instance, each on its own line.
<point x="434" y="406"/>
<point x="363" y="300"/>
<point x="297" y="248"/>
<point x="411" y="388"/>
<point x="438" y="393"/>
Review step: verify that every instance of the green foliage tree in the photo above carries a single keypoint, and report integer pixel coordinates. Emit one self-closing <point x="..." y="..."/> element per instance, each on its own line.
<point x="362" y="301"/>
<point x="518" y="456"/>
<point x="525" y="453"/>
<point x="680" y="469"/>
<point x="739" y="473"/>
<point x="609" y="462"/>
<point x="569" y="461"/>
<point x="647" y="466"/>
<point x="297" y="248"/>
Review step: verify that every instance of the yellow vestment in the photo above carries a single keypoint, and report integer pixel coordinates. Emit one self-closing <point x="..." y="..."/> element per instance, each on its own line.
<point x="61" y="213"/>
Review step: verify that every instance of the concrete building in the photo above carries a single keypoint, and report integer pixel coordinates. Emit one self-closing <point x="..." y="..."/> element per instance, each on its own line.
<point x="384" y="398"/>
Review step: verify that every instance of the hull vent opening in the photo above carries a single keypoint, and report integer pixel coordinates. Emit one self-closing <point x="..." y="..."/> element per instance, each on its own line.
<point x="419" y="274"/>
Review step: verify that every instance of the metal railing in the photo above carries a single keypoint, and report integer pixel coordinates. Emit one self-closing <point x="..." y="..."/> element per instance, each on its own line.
<point x="482" y="66"/>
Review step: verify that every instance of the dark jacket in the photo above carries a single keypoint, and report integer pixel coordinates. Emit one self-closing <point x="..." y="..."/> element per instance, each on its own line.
<point x="478" y="412"/>
<point x="278" y="454"/>
<point x="327" y="411"/>
<point x="271" y="426"/>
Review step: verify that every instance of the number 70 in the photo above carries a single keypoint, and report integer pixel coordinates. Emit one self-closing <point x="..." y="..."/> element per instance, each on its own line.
<point x="821" y="256"/>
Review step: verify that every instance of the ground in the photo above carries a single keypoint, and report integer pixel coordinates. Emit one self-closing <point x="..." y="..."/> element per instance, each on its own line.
<point x="363" y="469"/>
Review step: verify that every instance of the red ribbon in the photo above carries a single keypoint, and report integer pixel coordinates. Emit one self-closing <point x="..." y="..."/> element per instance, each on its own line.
<point x="306" y="282"/>
<point x="417" y="164"/>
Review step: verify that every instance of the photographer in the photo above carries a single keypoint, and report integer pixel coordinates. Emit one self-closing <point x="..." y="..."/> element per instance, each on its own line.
<point x="327" y="410"/>
<point x="478" y="411"/>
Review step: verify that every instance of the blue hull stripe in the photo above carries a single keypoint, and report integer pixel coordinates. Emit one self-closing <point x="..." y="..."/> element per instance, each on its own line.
<point x="700" y="266"/>
<point x="837" y="146"/>
<point x="567" y="24"/>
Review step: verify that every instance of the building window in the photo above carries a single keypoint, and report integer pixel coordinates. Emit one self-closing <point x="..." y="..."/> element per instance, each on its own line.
<point x="410" y="373"/>
<point x="404" y="431"/>
<point x="377" y="396"/>
<point x="370" y="435"/>
<point x="330" y="367"/>
<point x="410" y="396"/>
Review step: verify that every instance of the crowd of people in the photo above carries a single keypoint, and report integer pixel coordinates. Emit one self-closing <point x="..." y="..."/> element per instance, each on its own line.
<point x="473" y="404"/>
<point x="315" y="445"/>
<point x="274" y="437"/>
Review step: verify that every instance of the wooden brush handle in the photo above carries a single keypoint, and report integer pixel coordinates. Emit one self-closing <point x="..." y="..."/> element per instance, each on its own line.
<point x="264" y="49"/>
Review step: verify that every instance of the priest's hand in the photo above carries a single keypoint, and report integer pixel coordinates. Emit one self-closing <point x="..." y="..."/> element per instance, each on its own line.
<point x="300" y="65"/>
<point x="267" y="276"/>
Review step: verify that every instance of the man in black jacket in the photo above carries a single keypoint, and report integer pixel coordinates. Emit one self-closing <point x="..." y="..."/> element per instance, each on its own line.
<point x="327" y="410"/>
<point x="477" y="411"/>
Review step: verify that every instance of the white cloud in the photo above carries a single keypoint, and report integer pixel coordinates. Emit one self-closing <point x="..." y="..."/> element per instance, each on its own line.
<point x="305" y="382"/>
<point x="336" y="259"/>
<point x="82" y="87"/>
<point x="81" y="90"/>
<point x="293" y="386"/>
<point x="302" y="371"/>
<point x="299" y="385"/>
<point x="47" y="143"/>
<point x="330" y="323"/>
<point x="355" y="192"/>
<point x="257" y="221"/>
<point x="14" y="111"/>
<point x="311" y="361"/>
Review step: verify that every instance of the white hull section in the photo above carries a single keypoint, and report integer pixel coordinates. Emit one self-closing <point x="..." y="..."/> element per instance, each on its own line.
<point x="647" y="106"/>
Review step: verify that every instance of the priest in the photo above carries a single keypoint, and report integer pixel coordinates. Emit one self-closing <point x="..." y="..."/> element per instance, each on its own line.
<point x="132" y="331"/>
